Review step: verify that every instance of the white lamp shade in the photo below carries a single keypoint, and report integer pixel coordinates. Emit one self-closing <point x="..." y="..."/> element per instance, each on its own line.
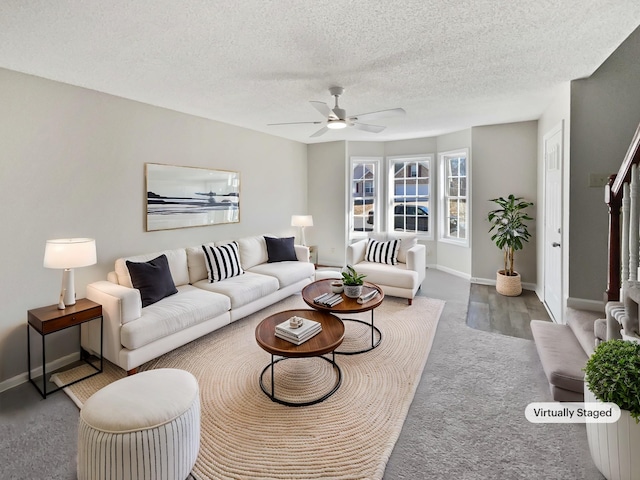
<point x="70" y="253"/>
<point x="301" y="221"/>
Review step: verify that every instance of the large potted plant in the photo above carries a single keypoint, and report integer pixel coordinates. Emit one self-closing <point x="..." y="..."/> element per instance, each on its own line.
<point x="612" y="374"/>
<point x="510" y="234"/>
<point x="352" y="282"/>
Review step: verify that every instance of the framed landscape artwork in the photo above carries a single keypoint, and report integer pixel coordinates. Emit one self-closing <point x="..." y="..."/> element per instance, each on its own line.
<point x="180" y="197"/>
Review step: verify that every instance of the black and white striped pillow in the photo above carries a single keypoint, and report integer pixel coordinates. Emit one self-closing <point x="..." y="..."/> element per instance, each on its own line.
<point x="222" y="261"/>
<point x="382" y="252"/>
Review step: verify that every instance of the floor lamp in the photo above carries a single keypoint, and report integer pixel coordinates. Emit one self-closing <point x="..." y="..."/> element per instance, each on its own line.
<point x="67" y="254"/>
<point x="302" y="221"/>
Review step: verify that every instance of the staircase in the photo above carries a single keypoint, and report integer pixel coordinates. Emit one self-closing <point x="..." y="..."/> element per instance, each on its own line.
<point x="622" y="195"/>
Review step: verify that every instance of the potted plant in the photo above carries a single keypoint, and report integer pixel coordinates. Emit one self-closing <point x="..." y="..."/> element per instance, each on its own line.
<point x="352" y="282"/>
<point x="508" y="223"/>
<point x="612" y="374"/>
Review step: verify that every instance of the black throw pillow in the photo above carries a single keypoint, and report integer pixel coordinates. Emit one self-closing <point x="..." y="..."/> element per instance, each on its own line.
<point x="153" y="279"/>
<point x="280" y="249"/>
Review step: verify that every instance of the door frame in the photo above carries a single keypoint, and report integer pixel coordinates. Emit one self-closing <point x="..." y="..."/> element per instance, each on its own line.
<point x="558" y="128"/>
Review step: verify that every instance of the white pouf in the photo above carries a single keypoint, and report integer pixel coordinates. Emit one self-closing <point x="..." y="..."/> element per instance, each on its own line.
<point x="145" y="426"/>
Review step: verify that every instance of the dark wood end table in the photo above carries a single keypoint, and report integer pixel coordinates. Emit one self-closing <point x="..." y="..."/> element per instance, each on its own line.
<point x="323" y="343"/>
<point x="50" y="319"/>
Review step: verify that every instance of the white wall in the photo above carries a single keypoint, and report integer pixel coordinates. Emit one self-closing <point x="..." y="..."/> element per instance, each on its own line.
<point x="605" y="112"/>
<point x="72" y="164"/>
<point x="559" y="111"/>
<point x="327" y="201"/>
<point x="505" y="161"/>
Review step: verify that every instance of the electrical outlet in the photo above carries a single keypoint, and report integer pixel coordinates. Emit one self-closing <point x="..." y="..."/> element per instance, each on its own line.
<point x="598" y="180"/>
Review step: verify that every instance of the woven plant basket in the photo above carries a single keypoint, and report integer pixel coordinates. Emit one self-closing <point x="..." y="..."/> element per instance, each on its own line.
<point x="509" y="286"/>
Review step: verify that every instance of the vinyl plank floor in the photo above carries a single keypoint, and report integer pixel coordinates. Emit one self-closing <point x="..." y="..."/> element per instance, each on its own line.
<point x="491" y="312"/>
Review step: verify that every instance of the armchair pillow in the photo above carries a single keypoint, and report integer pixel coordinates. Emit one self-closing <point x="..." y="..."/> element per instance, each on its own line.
<point x="280" y="249"/>
<point x="153" y="279"/>
<point x="382" y="252"/>
<point x="222" y="261"/>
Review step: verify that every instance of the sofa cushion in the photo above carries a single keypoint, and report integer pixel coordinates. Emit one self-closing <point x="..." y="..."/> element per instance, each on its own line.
<point x="152" y="279"/>
<point x="222" y="262"/>
<point x="286" y="273"/>
<point x="253" y="251"/>
<point x="280" y="249"/>
<point x="177" y="264"/>
<point x="190" y="306"/>
<point x="407" y="242"/>
<point x="382" y="252"/>
<point x="243" y="289"/>
<point x="392" y="275"/>
<point x="196" y="263"/>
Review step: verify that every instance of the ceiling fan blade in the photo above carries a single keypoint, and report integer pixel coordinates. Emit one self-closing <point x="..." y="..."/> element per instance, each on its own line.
<point x="322" y="131"/>
<point x="368" y="128"/>
<point x="322" y="107"/>
<point x="381" y="114"/>
<point x="294" y="123"/>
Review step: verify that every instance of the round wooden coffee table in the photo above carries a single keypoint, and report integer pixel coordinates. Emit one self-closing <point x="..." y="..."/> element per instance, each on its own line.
<point x="324" y="342"/>
<point x="348" y="305"/>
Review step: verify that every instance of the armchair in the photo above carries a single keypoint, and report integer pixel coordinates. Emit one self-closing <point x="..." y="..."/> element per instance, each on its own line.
<point x="401" y="280"/>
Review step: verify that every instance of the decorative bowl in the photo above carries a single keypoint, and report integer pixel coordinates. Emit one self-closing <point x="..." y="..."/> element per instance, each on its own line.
<point x="336" y="286"/>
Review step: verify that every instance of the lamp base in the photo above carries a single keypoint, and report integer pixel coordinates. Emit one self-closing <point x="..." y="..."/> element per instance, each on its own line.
<point x="68" y="292"/>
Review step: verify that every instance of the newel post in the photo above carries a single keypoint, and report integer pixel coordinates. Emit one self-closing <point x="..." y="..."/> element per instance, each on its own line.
<point x="614" y="202"/>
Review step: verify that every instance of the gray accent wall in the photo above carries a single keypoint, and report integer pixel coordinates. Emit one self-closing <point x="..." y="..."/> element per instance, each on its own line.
<point x="72" y="164"/>
<point x="605" y="112"/>
<point x="504" y="162"/>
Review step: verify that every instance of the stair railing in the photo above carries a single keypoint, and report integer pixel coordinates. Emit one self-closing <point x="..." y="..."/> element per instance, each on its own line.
<point x="622" y="196"/>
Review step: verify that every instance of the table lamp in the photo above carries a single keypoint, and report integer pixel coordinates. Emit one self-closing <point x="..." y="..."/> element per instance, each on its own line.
<point x="69" y="253"/>
<point x="302" y="221"/>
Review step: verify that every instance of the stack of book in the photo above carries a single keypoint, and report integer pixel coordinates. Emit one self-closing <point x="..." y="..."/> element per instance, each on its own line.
<point x="298" y="335"/>
<point x="328" y="299"/>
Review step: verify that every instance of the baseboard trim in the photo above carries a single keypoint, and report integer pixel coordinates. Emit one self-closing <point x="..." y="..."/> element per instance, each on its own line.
<point x="584" y="304"/>
<point x="51" y="366"/>
<point x="492" y="282"/>
<point x="451" y="271"/>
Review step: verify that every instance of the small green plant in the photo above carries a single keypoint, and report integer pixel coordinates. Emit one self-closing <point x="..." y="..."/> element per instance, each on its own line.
<point x="351" y="277"/>
<point x="613" y="374"/>
<point x="509" y="226"/>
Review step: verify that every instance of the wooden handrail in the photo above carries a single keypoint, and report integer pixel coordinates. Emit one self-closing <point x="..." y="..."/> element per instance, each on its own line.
<point x="632" y="156"/>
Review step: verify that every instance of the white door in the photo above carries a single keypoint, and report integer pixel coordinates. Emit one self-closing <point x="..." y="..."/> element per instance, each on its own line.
<point x="553" y="160"/>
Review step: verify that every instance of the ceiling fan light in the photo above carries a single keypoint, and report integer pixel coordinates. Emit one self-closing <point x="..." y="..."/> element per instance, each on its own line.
<point x="336" y="124"/>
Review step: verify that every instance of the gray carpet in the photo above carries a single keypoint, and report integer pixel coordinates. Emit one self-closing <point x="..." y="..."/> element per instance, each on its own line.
<point x="467" y="418"/>
<point x="466" y="421"/>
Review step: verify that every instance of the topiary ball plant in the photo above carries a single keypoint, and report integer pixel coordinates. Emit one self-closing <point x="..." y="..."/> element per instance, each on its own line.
<point x="613" y="374"/>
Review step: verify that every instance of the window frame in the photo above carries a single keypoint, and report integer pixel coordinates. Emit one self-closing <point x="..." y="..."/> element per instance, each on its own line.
<point x="392" y="161"/>
<point x="444" y="197"/>
<point x="377" y="196"/>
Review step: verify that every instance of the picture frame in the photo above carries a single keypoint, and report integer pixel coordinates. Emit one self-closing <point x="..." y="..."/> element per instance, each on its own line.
<point x="182" y="197"/>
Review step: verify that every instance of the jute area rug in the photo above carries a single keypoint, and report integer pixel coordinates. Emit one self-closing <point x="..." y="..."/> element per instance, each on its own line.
<point x="244" y="435"/>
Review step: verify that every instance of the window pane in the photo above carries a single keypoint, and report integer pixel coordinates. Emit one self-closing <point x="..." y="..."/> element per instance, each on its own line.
<point x="453" y="167"/>
<point x="453" y="187"/>
<point x="463" y="167"/>
<point x="463" y="187"/>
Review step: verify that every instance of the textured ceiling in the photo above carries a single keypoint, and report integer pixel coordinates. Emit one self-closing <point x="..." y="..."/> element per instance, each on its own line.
<point x="450" y="64"/>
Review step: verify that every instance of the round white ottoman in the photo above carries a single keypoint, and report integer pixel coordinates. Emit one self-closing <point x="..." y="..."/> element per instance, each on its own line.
<point x="146" y="426"/>
<point x="328" y="273"/>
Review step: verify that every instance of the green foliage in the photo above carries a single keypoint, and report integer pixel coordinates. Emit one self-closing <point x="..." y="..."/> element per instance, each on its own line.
<point x="508" y="223"/>
<point x="351" y="277"/>
<point x="613" y="374"/>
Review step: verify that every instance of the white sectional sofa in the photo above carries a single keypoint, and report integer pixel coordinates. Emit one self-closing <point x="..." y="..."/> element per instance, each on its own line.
<point x="134" y="334"/>
<point x="400" y="280"/>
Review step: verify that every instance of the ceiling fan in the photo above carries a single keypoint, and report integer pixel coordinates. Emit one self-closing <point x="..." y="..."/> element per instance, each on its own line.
<point x="337" y="118"/>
